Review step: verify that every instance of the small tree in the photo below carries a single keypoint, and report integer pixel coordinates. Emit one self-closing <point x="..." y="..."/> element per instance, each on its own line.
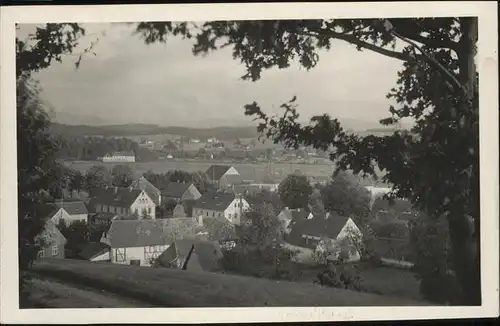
<point x="98" y="176"/>
<point x="122" y="175"/>
<point x="76" y="181"/>
<point x="145" y="215"/>
<point x="334" y="272"/>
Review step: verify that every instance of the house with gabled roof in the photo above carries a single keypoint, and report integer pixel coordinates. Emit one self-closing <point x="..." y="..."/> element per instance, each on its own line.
<point x="180" y="191"/>
<point x="140" y="242"/>
<point x="222" y="205"/>
<point x="51" y="242"/>
<point x="124" y="201"/>
<point x="144" y="184"/>
<point x="69" y="211"/>
<point x="331" y="232"/>
<point x="223" y="176"/>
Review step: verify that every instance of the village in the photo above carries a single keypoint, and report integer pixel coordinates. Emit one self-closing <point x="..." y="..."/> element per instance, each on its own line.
<point x="200" y="232"/>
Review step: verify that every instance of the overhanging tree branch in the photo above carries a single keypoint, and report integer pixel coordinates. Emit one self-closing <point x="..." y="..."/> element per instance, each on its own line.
<point x="355" y="41"/>
<point x="414" y="34"/>
<point x="390" y="28"/>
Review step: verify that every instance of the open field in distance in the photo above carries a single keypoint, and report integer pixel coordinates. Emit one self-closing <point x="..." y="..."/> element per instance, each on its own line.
<point x="248" y="171"/>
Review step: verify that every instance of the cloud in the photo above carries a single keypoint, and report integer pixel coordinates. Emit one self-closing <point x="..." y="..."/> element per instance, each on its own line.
<point x="128" y="81"/>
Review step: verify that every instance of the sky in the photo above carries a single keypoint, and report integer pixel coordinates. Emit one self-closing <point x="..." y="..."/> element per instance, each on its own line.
<point x="164" y="84"/>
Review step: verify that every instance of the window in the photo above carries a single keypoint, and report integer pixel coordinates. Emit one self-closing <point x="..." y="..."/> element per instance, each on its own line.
<point x="213" y="214"/>
<point x="55" y="250"/>
<point x="120" y="254"/>
<point x="207" y="213"/>
<point x="136" y="211"/>
<point x="149" y="210"/>
<point x="41" y="253"/>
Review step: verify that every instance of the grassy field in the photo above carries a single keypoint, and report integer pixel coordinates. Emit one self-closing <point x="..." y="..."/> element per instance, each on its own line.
<point x="177" y="288"/>
<point x="51" y="293"/>
<point x="391" y="281"/>
<point x="248" y="171"/>
<point x="380" y="280"/>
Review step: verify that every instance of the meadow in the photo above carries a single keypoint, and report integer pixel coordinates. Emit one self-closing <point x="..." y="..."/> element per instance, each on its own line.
<point x="177" y="288"/>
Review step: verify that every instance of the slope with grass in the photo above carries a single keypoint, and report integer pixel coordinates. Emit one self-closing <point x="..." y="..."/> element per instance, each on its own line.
<point x="177" y="288"/>
<point x="47" y="292"/>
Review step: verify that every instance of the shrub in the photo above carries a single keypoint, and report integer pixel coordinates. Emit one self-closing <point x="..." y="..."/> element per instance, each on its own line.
<point x="340" y="275"/>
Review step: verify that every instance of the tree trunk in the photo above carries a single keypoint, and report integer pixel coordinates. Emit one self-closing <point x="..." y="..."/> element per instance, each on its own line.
<point x="465" y="241"/>
<point x="466" y="263"/>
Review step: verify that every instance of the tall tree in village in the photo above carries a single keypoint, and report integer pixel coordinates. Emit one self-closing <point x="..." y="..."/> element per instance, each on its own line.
<point x="122" y="175"/>
<point x="263" y="229"/>
<point x="294" y="191"/>
<point x="346" y="196"/>
<point x="98" y="176"/>
<point x="437" y="88"/>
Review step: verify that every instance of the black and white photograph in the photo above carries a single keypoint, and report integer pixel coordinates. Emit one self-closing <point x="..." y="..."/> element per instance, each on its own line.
<point x="243" y="158"/>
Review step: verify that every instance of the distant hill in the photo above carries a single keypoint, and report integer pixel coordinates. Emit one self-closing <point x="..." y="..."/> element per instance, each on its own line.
<point x="79" y="118"/>
<point x="139" y="129"/>
<point x="223" y="133"/>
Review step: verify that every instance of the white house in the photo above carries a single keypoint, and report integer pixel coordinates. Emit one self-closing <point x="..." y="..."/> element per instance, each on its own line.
<point x="220" y="204"/>
<point x="135" y="241"/>
<point x="333" y="233"/>
<point x="122" y="157"/>
<point x="69" y="211"/>
<point x="124" y="201"/>
<point x="140" y="242"/>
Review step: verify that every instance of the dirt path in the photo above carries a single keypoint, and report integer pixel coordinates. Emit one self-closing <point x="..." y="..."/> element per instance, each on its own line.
<point x="52" y="293"/>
